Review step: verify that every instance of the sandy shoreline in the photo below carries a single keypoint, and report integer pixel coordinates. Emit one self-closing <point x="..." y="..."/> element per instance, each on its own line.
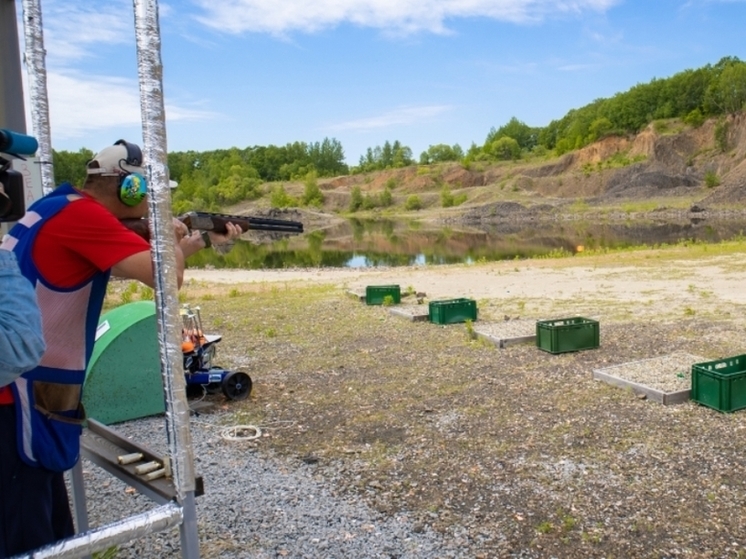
<point x="653" y="281"/>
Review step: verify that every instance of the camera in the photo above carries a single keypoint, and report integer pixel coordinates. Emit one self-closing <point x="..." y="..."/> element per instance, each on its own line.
<point x="13" y="145"/>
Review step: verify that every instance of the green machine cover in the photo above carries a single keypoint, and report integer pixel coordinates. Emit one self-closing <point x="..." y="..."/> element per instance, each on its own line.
<point x="123" y="380"/>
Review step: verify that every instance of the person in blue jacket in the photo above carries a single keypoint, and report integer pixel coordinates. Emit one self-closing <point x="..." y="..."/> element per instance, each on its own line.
<point x="21" y="340"/>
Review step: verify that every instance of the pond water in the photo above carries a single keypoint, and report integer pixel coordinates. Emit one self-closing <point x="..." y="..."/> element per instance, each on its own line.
<point x="385" y="243"/>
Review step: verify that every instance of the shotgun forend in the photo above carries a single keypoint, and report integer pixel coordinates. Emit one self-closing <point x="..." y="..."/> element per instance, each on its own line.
<point x="203" y="221"/>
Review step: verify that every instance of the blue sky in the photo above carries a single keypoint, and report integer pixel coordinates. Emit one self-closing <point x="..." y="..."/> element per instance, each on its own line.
<point x="424" y="72"/>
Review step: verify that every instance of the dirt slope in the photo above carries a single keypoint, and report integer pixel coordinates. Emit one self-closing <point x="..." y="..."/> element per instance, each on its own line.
<point x="666" y="159"/>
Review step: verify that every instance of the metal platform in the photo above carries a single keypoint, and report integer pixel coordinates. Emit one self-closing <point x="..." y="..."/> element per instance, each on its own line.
<point x="103" y="446"/>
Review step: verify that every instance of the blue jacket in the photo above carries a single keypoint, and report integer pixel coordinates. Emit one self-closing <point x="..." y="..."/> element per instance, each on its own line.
<point x="21" y="340"/>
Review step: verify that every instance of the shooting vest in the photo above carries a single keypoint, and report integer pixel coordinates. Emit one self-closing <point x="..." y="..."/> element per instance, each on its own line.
<point x="47" y="398"/>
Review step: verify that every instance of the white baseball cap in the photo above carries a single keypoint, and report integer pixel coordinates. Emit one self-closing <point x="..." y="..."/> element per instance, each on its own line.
<point x="123" y="158"/>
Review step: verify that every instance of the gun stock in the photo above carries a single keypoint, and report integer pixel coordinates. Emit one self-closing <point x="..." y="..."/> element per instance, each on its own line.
<point x="204" y="221"/>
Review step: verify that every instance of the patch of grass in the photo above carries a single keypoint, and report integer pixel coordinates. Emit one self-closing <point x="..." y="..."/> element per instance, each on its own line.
<point x="712" y="179"/>
<point x="579" y="206"/>
<point x="470" y="333"/>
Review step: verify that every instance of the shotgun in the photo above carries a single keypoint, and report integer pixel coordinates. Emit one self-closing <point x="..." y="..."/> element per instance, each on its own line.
<point x="204" y="221"/>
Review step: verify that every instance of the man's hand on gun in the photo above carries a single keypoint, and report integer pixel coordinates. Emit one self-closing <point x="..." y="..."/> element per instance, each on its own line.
<point x="180" y="230"/>
<point x="196" y="240"/>
<point x="232" y="233"/>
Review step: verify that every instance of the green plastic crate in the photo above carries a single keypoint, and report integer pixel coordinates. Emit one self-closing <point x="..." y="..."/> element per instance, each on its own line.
<point x="721" y="384"/>
<point x="567" y="334"/>
<point x="452" y="311"/>
<point x="375" y="294"/>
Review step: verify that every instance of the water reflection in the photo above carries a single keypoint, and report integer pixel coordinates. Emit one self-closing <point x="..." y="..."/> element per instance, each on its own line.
<point x="368" y="244"/>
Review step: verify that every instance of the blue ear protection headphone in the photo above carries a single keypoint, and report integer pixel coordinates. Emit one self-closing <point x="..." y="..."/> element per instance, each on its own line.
<point x="133" y="187"/>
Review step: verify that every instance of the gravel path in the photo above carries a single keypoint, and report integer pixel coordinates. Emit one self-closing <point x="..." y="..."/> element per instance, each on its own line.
<point x="258" y="507"/>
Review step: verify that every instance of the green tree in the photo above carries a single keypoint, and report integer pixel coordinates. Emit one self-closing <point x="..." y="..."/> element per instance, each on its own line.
<point x="729" y="90"/>
<point x="70" y="166"/>
<point x="519" y="131"/>
<point x="387" y="157"/>
<point x="503" y="148"/>
<point x="599" y="128"/>
<point x="440" y="153"/>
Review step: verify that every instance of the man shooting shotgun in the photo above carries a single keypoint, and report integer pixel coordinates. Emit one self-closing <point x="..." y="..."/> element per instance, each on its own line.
<point x="218" y="223"/>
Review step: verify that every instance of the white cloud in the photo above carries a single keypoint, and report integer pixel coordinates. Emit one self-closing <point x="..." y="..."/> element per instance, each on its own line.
<point x="72" y="30"/>
<point x="397" y="117"/>
<point x="79" y="104"/>
<point x="399" y="16"/>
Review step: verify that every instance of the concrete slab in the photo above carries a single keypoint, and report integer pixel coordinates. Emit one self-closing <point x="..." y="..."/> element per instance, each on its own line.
<point x="665" y="379"/>
<point x="508" y="332"/>
<point x="414" y="314"/>
<point x="360" y="296"/>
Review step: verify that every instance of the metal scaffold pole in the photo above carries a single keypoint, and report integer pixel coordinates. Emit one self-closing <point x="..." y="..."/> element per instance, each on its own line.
<point x="37" y="81"/>
<point x="150" y="71"/>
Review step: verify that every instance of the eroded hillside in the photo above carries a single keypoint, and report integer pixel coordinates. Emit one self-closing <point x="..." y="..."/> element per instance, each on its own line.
<point x="666" y="159"/>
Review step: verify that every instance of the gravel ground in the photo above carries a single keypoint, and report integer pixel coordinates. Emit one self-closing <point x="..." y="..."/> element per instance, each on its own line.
<point x="668" y="373"/>
<point x="260" y="506"/>
<point x="384" y="437"/>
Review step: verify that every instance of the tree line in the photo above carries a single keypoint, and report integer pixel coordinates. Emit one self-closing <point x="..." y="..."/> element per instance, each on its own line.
<point x="216" y="178"/>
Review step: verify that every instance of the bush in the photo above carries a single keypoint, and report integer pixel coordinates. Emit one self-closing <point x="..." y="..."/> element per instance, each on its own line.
<point x="413" y="203"/>
<point x="312" y="195"/>
<point x="281" y="199"/>
<point x="446" y="197"/>
<point x="711" y="179"/>
<point x="356" y="199"/>
<point x="695" y="118"/>
<point x="387" y="199"/>
<point x="721" y="135"/>
<point x="504" y="148"/>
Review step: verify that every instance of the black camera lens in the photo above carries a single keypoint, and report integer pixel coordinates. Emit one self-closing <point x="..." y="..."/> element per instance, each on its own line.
<point x="12" y="205"/>
<point x="5" y="205"/>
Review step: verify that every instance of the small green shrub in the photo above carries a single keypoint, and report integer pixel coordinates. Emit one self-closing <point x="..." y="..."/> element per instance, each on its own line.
<point x="446" y="197"/>
<point x="711" y="179"/>
<point x="695" y="118"/>
<point x="312" y="195"/>
<point x="281" y="199"/>
<point x="721" y="135"/>
<point x="470" y="333"/>
<point x="413" y="203"/>
<point x="356" y="199"/>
